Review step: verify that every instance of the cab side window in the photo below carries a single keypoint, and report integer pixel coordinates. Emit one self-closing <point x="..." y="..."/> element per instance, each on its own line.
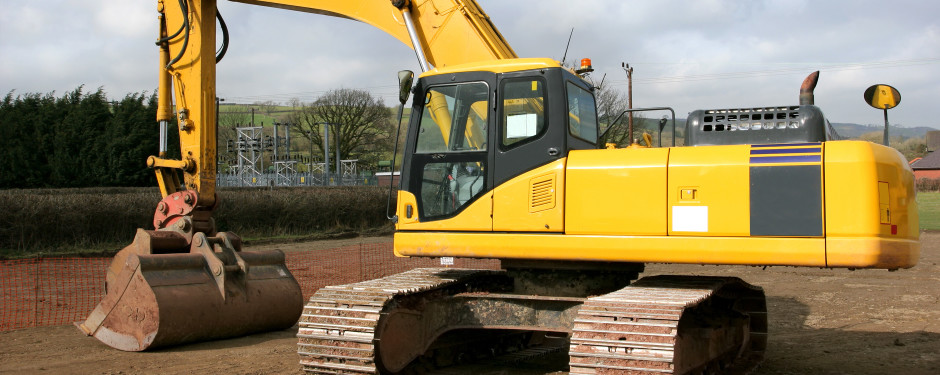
<point x="523" y="112"/>
<point x="582" y="114"/>
<point x="454" y="119"/>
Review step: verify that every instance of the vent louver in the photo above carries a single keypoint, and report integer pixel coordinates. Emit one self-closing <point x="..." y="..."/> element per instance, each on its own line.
<point x="542" y="195"/>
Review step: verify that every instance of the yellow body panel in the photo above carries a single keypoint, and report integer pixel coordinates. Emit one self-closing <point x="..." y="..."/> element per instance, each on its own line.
<point x="758" y="251"/>
<point x="871" y="252"/>
<point x="649" y="249"/>
<point x="854" y="172"/>
<point x="532" y="202"/>
<point x="870" y="198"/>
<point x="617" y="206"/>
<point x="478" y="216"/>
<point x="708" y="189"/>
<point x="617" y="192"/>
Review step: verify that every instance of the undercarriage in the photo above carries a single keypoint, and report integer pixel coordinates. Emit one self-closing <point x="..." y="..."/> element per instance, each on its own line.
<point x="425" y="320"/>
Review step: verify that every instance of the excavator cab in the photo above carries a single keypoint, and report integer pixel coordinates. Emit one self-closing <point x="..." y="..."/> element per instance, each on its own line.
<point x="477" y="126"/>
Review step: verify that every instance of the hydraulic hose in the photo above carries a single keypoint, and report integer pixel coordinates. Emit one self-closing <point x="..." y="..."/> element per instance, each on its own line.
<point x="167" y="39"/>
<point x="184" y="6"/>
<point x="221" y="52"/>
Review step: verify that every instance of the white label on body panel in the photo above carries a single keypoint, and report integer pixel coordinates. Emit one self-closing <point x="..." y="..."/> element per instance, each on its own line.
<point x="690" y="218"/>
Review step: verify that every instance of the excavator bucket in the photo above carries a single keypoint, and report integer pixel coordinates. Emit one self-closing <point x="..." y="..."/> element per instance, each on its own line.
<point x="158" y="296"/>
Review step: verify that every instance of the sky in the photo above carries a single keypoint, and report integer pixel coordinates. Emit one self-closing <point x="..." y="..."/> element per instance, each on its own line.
<point x="691" y="54"/>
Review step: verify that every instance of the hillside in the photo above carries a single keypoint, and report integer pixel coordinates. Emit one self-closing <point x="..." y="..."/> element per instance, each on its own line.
<point x="855" y="130"/>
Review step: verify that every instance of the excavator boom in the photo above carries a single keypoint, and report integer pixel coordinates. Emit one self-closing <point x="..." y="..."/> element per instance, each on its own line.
<point x="184" y="281"/>
<point x="450" y="32"/>
<point x="184" y="268"/>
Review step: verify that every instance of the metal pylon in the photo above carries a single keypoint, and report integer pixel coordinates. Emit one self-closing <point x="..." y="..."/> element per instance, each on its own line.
<point x="249" y="155"/>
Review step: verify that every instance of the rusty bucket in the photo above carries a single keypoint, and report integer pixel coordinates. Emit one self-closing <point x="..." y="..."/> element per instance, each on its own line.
<point x="158" y="296"/>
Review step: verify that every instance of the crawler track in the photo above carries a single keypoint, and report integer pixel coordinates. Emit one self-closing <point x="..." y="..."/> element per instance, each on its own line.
<point x="658" y="325"/>
<point x="338" y="325"/>
<point x="671" y="325"/>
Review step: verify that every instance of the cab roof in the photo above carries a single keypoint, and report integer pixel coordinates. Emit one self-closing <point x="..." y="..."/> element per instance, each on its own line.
<point x="496" y="66"/>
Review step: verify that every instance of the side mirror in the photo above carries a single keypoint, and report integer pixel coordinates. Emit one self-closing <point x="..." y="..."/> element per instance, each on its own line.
<point x="405" y="78"/>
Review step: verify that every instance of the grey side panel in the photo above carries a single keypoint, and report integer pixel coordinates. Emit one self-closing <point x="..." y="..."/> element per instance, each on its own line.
<point x="786" y="201"/>
<point x="791" y="124"/>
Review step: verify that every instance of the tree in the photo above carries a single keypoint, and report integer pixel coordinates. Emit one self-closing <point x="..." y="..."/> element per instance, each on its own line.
<point x="78" y="140"/>
<point x="611" y="103"/>
<point x="360" y="121"/>
<point x="911" y="148"/>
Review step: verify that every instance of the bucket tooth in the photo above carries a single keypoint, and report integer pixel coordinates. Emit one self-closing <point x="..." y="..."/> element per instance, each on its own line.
<point x="164" y="299"/>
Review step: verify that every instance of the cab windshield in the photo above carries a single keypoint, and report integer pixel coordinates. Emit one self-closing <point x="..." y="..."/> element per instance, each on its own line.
<point x="454" y="119"/>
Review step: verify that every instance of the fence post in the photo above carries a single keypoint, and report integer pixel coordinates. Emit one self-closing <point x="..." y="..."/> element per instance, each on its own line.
<point x="36" y="288"/>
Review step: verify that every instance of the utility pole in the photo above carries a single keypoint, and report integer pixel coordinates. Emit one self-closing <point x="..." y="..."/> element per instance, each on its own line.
<point x="287" y="139"/>
<point x="326" y="153"/>
<point x="336" y="130"/>
<point x="310" y="168"/>
<point x="629" y="70"/>
<point x="218" y="102"/>
<point x="276" y="154"/>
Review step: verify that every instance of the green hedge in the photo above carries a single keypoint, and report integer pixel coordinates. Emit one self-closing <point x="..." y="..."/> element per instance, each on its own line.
<point x="103" y="220"/>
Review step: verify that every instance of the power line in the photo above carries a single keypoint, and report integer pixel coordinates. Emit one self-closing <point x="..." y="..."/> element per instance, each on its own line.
<point x="390" y="91"/>
<point x="382" y="91"/>
<point x="760" y="73"/>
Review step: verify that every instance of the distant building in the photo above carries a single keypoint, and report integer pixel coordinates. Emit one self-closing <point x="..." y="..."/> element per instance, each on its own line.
<point x="933" y="140"/>
<point x="383" y="178"/>
<point x="928" y="166"/>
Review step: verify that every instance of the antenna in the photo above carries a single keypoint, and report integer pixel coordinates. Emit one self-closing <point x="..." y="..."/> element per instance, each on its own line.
<point x="565" y="56"/>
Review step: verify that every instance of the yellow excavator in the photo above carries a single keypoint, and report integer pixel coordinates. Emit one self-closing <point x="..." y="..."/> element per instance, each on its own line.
<point x="502" y="161"/>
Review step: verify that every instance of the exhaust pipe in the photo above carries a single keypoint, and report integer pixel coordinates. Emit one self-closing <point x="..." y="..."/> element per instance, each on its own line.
<point x="806" y="90"/>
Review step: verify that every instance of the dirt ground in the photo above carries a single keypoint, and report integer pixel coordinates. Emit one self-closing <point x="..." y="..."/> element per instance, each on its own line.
<point x="821" y="322"/>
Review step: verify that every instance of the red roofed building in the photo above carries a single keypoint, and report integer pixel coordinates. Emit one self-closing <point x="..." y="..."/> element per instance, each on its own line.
<point x="928" y="166"/>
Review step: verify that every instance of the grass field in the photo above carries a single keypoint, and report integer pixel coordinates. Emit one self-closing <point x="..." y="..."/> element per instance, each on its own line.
<point x="928" y="206"/>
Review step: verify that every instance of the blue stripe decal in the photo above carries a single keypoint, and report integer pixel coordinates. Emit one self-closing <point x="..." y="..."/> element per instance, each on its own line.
<point x="787" y="151"/>
<point x="788" y="144"/>
<point x="786" y="159"/>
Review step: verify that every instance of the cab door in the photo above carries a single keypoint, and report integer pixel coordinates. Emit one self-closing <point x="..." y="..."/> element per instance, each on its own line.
<point x="529" y="153"/>
<point x="448" y="178"/>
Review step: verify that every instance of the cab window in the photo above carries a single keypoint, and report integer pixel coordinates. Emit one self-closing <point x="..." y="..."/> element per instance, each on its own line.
<point x="523" y="112"/>
<point x="582" y="114"/>
<point x="454" y="119"/>
<point x="450" y="150"/>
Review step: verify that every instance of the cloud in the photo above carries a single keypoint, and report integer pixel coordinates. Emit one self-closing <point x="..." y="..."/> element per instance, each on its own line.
<point x="689" y="55"/>
<point x="125" y="18"/>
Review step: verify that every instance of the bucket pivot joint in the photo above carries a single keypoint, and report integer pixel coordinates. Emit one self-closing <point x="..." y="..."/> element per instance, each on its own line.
<point x="223" y="260"/>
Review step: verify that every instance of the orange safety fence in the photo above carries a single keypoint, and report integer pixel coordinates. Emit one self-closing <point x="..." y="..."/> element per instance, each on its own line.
<point x="54" y="291"/>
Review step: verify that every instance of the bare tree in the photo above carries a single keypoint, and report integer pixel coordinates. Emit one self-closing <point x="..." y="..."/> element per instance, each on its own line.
<point x="610" y="104"/>
<point x="363" y="123"/>
<point x="268" y="107"/>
